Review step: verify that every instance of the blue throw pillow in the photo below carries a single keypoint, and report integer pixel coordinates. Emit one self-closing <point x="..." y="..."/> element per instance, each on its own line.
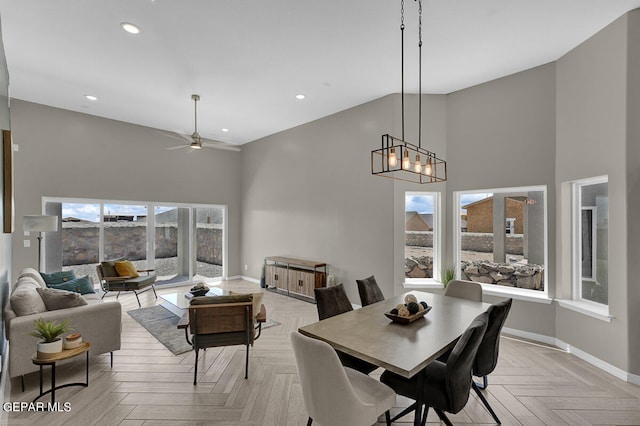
<point x="80" y="285"/>
<point x="58" y="277"/>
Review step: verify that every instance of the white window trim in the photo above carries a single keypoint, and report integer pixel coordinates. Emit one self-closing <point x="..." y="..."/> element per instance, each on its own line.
<point x="516" y="293"/>
<point x="585" y="307"/>
<point x="577" y="303"/>
<point x="434" y="282"/>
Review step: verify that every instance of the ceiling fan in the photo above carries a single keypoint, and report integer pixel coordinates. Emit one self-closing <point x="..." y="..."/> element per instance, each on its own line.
<point x="195" y="141"/>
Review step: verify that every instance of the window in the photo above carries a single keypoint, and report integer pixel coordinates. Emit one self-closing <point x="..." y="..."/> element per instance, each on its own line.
<point x="591" y="240"/>
<point x="500" y="237"/>
<point x="181" y="242"/>
<point x="422" y="236"/>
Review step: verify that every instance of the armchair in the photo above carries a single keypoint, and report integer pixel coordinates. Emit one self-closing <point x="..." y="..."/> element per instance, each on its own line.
<point x="221" y="321"/>
<point x="110" y="280"/>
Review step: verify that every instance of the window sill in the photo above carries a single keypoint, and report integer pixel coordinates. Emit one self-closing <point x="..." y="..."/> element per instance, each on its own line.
<point x="428" y="283"/>
<point x="516" y="293"/>
<point x="491" y="290"/>
<point x="597" y="312"/>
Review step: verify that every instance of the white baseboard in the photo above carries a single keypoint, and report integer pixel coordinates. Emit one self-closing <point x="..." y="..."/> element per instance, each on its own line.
<point x="597" y="362"/>
<point x="253" y="280"/>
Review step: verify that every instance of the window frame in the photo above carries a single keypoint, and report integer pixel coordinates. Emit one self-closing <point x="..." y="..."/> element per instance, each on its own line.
<point x="576" y="245"/>
<point x="492" y="289"/>
<point x="437" y="241"/>
<point x="151" y="228"/>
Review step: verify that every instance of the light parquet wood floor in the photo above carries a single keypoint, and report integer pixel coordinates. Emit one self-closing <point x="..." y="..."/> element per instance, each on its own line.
<point x="148" y="385"/>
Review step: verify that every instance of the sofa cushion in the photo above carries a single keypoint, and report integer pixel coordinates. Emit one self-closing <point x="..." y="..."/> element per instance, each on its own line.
<point x="109" y="267"/>
<point x="125" y="268"/>
<point x="137" y="283"/>
<point x="60" y="299"/>
<point x="25" y="299"/>
<point x="32" y="273"/>
<point x="58" y="277"/>
<point x="82" y="285"/>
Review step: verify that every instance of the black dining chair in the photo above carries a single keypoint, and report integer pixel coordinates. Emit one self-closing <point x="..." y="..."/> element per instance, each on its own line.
<point x="369" y="291"/>
<point x="445" y="386"/>
<point x="487" y="356"/>
<point x="332" y="301"/>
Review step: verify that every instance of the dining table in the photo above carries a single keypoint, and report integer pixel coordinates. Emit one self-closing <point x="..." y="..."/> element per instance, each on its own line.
<point x="404" y="349"/>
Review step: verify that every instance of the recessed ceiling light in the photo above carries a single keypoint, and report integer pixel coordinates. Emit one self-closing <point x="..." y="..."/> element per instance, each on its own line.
<point x="91" y="97"/>
<point x="225" y="130"/>
<point x="130" y="28"/>
<point x="300" y="97"/>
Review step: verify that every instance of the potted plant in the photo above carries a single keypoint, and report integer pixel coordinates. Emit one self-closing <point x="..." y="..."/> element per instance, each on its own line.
<point x="448" y="274"/>
<point x="49" y="333"/>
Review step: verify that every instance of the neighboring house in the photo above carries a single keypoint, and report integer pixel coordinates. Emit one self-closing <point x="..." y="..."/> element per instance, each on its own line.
<point x="415" y="221"/>
<point x="480" y="215"/>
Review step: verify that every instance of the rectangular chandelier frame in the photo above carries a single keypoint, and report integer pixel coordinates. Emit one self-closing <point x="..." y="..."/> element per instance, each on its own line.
<point x="382" y="162"/>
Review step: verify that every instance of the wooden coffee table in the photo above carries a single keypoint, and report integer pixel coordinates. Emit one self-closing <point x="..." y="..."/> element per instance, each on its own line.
<point x="65" y="354"/>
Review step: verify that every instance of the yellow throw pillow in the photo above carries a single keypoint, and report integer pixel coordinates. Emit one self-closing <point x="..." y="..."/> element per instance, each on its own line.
<point x="126" y="268"/>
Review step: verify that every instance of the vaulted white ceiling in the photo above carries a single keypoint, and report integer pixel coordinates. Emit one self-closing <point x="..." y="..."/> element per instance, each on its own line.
<point x="248" y="59"/>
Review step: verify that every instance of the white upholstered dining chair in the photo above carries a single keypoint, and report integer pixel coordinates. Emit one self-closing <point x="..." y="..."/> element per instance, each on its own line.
<point x="464" y="290"/>
<point x="336" y="395"/>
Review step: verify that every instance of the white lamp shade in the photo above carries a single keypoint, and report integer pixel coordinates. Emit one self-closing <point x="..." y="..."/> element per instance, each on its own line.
<point x="40" y="223"/>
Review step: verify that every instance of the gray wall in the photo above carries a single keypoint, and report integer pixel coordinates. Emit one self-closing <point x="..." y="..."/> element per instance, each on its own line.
<point x="591" y="141"/>
<point x="308" y="193"/>
<point x="633" y="189"/>
<point x="502" y="134"/>
<point x="68" y="154"/>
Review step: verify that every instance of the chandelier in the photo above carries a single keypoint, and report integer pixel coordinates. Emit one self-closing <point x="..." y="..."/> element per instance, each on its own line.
<point x="397" y="158"/>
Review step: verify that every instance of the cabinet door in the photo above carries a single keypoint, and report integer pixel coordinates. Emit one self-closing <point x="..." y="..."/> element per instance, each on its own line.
<point x="302" y="283"/>
<point x="276" y="276"/>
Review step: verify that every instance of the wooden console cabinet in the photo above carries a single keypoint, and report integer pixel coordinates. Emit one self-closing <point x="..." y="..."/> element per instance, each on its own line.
<point x="295" y="277"/>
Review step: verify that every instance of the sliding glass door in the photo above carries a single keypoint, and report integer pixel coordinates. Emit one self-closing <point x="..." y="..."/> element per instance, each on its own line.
<point x="181" y="242"/>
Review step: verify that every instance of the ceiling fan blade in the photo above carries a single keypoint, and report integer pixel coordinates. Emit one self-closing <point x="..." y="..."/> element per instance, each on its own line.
<point x="171" y="148"/>
<point x="221" y="145"/>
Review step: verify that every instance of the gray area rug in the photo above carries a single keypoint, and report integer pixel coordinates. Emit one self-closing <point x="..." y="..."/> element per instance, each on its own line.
<point x="161" y="323"/>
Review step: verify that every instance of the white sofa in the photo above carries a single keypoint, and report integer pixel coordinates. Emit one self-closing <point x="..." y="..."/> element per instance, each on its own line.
<point x="99" y="322"/>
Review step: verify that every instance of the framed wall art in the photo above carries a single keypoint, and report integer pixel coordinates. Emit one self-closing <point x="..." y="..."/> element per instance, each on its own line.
<point x="7" y="190"/>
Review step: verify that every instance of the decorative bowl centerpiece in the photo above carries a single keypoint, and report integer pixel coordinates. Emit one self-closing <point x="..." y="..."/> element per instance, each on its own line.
<point x="199" y="289"/>
<point x="408" y="312"/>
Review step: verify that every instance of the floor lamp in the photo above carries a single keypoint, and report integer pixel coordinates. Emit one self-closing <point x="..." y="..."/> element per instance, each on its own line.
<point x="40" y="224"/>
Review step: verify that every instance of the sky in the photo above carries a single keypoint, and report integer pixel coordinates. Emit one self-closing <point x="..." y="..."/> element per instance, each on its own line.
<point x="424" y="203"/>
<point x="91" y="212"/>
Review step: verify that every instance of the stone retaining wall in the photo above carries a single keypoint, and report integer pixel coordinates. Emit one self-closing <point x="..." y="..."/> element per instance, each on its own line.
<point x="471" y="241"/>
<point x="80" y="242"/>
<point x="527" y="276"/>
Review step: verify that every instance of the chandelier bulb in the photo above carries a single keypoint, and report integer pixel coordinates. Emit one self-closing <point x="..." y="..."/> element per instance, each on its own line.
<point x="418" y="166"/>
<point x="428" y="169"/>
<point x="393" y="159"/>
<point x="406" y="163"/>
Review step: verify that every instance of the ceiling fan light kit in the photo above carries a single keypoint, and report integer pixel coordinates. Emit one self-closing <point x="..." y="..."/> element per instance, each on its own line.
<point x="385" y="161"/>
<point x="195" y="141"/>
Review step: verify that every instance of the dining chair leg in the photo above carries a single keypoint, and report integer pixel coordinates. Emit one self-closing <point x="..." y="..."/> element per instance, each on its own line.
<point x="309" y="421"/>
<point x="484" y="384"/>
<point x="404" y="412"/>
<point x="443" y="416"/>
<point x="485" y="402"/>
<point x="424" y="416"/>
<point x="387" y="417"/>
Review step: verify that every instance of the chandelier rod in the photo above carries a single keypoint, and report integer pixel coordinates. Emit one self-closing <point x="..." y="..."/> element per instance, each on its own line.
<point x="419" y="73"/>
<point x="402" y="60"/>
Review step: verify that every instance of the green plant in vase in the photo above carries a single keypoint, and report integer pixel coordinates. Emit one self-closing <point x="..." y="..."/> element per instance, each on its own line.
<point x="49" y="333"/>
